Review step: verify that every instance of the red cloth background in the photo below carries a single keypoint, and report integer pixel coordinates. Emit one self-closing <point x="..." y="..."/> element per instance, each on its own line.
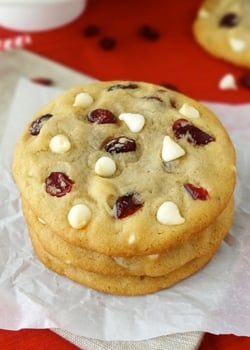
<point x="174" y="58"/>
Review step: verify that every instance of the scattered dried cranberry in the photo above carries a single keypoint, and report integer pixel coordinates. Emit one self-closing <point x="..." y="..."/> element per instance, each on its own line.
<point x="183" y="128"/>
<point x="229" y="20"/>
<point x="38" y="123"/>
<point x="91" y="30"/>
<point x="197" y="192"/>
<point x="153" y="98"/>
<point x="120" y="144"/>
<point x="245" y="80"/>
<point x="122" y="86"/>
<point x="149" y="32"/>
<point x="107" y="43"/>
<point x="43" y="81"/>
<point x="58" y="184"/>
<point x="127" y="205"/>
<point x="101" y="116"/>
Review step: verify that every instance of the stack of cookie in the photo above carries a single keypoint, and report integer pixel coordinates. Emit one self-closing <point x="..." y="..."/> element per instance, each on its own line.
<point x="126" y="187"/>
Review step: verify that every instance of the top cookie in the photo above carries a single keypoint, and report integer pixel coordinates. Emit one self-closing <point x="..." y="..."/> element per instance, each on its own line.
<point x="125" y="168"/>
<point x="222" y="27"/>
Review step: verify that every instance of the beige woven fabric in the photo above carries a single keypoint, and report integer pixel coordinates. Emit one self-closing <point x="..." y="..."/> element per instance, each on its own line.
<point x="181" y="341"/>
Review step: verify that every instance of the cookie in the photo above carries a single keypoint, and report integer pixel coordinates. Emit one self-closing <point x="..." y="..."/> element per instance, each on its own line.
<point x="222" y="28"/>
<point x="119" y="285"/>
<point x="151" y="265"/>
<point x="125" y="168"/>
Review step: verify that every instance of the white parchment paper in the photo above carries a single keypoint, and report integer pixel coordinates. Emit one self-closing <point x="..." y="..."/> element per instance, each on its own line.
<point x="216" y="299"/>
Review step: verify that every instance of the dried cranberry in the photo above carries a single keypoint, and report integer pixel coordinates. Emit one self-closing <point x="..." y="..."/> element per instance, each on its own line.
<point x="149" y="32"/>
<point x="245" y="80"/>
<point x="107" y="43"/>
<point x="183" y="128"/>
<point x="153" y="98"/>
<point x="37" y="124"/>
<point x="91" y="30"/>
<point x="101" y="116"/>
<point x="43" y="81"/>
<point x="197" y="192"/>
<point x="120" y="145"/>
<point x="229" y="20"/>
<point x="127" y="205"/>
<point x="122" y="86"/>
<point x="58" y="184"/>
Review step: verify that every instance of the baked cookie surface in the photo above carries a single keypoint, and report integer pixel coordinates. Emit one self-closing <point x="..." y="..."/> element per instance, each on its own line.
<point x="125" y="168"/>
<point x="146" y="265"/>
<point x="222" y="28"/>
<point x="119" y="285"/>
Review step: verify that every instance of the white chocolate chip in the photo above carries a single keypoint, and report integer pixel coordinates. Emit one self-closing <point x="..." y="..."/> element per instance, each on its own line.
<point x="79" y="216"/>
<point x="171" y="150"/>
<point x="134" y="121"/>
<point x="105" y="166"/>
<point x="83" y="99"/>
<point x="59" y="144"/>
<point x="41" y="221"/>
<point x="131" y="238"/>
<point x="203" y="13"/>
<point x="153" y="256"/>
<point x="120" y="261"/>
<point x="168" y="214"/>
<point x="189" y="111"/>
<point x="237" y="45"/>
<point x="227" y="82"/>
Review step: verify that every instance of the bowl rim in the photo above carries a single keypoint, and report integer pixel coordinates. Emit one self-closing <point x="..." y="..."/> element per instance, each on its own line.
<point x="37" y="2"/>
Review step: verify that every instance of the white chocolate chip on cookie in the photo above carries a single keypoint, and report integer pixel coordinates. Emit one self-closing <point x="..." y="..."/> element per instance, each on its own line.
<point x="134" y="121"/>
<point x="237" y="45"/>
<point x="168" y="214"/>
<point x="131" y="238"/>
<point x="171" y="150"/>
<point x="83" y="99"/>
<point x="79" y="216"/>
<point x="203" y="13"/>
<point x="189" y="111"/>
<point x="105" y="166"/>
<point x="59" y="144"/>
<point x="153" y="256"/>
<point x="41" y="221"/>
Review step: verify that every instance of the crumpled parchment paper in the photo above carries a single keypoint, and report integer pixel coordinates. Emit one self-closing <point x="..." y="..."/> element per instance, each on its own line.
<point x="216" y="299"/>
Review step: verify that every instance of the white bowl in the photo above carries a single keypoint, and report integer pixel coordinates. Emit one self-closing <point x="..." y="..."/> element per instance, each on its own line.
<point x="39" y="15"/>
